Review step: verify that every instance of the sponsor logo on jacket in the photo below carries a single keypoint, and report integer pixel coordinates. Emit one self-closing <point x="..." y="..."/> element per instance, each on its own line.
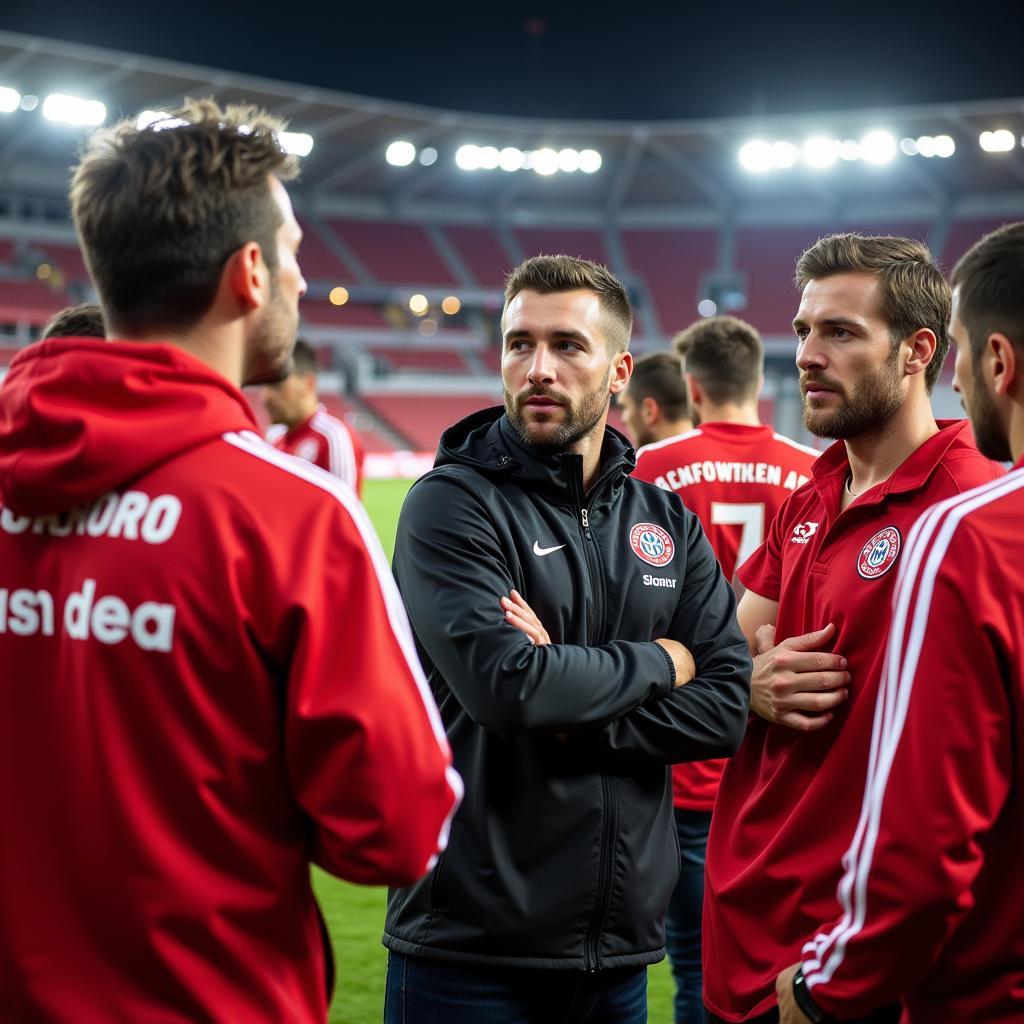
<point x="132" y="515"/>
<point x="803" y="532"/>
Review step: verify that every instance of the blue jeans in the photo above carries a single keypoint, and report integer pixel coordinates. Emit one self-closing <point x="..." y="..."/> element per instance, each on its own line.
<point x="682" y="922"/>
<point x="428" y="992"/>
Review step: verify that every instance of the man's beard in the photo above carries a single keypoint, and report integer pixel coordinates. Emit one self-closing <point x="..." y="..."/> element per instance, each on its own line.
<point x="989" y="432"/>
<point x="268" y="352"/>
<point x="872" y="403"/>
<point x="579" y="419"/>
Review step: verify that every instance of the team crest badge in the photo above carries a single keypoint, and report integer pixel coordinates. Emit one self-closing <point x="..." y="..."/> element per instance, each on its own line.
<point x="651" y="544"/>
<point x="879" y="553"/>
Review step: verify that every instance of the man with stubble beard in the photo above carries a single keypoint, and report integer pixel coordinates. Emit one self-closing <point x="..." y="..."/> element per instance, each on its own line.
<point x="871" y="338"/>
<point x="564" y="713"/>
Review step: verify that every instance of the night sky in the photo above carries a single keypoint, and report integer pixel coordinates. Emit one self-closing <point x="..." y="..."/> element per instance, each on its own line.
<point x="579" y="60"/>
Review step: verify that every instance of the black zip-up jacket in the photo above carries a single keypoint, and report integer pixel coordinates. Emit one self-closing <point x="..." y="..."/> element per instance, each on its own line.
<point x="563" y="853"/>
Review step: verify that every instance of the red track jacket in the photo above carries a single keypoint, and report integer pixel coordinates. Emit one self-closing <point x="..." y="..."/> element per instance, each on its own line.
<point x="207" y="680"/>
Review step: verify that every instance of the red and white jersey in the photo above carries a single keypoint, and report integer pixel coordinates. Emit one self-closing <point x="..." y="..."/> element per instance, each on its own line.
<point x="325" y="441"/>
<point x="932" y="906"/>
<point x="207" y="680"/>
<point x="734" y="477"/>
<point x="788" y="801"/>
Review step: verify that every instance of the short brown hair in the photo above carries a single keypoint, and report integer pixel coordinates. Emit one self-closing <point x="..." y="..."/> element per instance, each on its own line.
<point x="659" y="375"/>
<point x="304" y="358"/>
<point x="725" y="355"/>
<point x="548" y="274"/>
<point x="160" y="209"/>
<point x="914" y="292"/>
<point x="989" y="278"/>
<point x="82" y="321"/>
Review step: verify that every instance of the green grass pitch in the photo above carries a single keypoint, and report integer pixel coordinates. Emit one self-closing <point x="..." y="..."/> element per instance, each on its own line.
<point x="355" y="914"/>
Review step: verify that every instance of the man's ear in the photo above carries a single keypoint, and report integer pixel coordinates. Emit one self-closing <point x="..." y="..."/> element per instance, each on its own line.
<point x="922" y="350"/>
<point x="246" y="276"/>
<point x="650" y="411"/>
<point x="1000" y="364"/>
<point x="622" y="370"/>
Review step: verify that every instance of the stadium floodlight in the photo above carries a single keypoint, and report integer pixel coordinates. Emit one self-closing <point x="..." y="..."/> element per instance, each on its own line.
<point x="820" y="152"/>
<point x="489" y="158"/>
<point x="707" y="307"/>
<point x="568" y="160"/>
<point x="945" y="147"/>
<point x="756" y="156"/>
<point x="29" y="102"/>
<point x="468" y="157"/>
<point x="908" y="147"/>
<point x="338" y="295"/>
<point x="849" y="149"/>
<point x="428" y="156"/>
<point x="590" y="161"/>
<point x="999" y="141"/>
<point x="400" y="153"/>
<point x="418" y="304"/>
<point x="511" y="159"/>
<point x="296" y="143"/>
<point x="878" y="147"/>
<point x="783" y="155"/>
<point x="74" y="110"/>
<point x="10" y="100"/>
<point x="450" y="304"/>
<point x="544" y="161"/>
<point x="926" y="146"/>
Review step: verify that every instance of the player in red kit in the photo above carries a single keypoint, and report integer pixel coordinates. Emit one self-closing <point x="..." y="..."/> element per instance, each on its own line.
<point x="734" y="473"/>
<point x="303" y="427"/>
<point x="871" y="337"/>
<point x="931" y="911"/>
<point x="207" y="679"/>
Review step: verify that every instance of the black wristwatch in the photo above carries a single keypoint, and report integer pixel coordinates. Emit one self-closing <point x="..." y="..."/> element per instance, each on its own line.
<point x="808" y="1007"/>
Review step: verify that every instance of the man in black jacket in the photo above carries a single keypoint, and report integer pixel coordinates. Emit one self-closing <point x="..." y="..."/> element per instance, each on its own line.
<point x="579" y="638"/>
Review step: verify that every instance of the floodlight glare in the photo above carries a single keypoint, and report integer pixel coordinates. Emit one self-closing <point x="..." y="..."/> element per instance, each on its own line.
<point x="820" y="152"/>
<point x="29" y="102"/>
<point x="590" y="161"/>
<point x="400" y="153"/>
<point x="944" y="146"/>
<point x="418" y="304"/>
<point x="338" y="296"/>
<point x="488" y="158"/>
<point x="926" y="146"/>
<point x="296" y="143"/>
<point x="849" y="149"/>
<point x="756" y="156"/>
<point x="511" y="159"/>
<point x="74" y="110"/>
<point x="158" y="120"/>
<point x="908" y="147"/>
<point x="10" y="100"/>
<point x="877" y="147"/>
<point x="783" y="155"/>
<point x="568" y="160"/>
<point x="468" y="157"/>
<point x="707" y="307"/>
<point x="428" y="156"/>
<point x="450" y="304"/>
<point x="999" y="141"/>
<point x="544" y="161"/>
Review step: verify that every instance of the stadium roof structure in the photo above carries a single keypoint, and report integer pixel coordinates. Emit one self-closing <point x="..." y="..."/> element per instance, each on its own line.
<point x="652" y="174"/>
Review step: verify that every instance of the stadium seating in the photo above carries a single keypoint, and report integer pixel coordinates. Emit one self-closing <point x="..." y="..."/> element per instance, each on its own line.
<point x="394" y="252"/>
<point x="30" y="302"/>
<point x="481" y="252"/>
<point x="423" y="360"/>
<point x="421" y="419"/>
<point x="672" y="263"/>
<point x="319" y="262"/>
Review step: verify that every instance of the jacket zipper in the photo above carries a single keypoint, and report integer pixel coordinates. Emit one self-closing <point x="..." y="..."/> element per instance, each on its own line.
<point x="609" y="821"/>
